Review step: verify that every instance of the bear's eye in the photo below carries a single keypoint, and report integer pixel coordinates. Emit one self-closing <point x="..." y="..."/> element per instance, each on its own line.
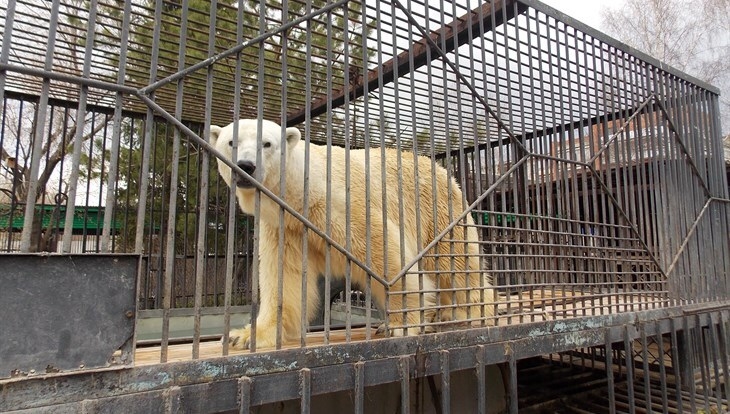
<point x="230" y="143"/>
<point x="267" y="144"/>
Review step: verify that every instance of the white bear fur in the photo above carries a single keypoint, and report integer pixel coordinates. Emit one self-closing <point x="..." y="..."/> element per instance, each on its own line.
<point x="268" y="174"/>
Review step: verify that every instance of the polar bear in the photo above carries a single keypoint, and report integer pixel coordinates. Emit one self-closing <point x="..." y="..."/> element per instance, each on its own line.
<point x="453" y="286"/>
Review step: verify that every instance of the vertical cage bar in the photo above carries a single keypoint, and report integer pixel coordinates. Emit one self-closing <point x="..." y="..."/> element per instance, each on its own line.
<point x="399" y="213"/>
<point x="702" y="353"/>
<point x="663" y="382"/>
<point x="170" y="265"/>
<point x="231" y="231"/>
<point x="244" y="395"/>
<point x="7" y="41"/>
<point x="676" y="367"/>
<point x="609" y="373"/>
<point x="481" y="379"/>
<point x="80" y="123"/>
<point x="201" y="249"/>
<point x="149" y="129"/>
<point x="282" y="185"/>
<point x="359" y="368"/>
<point x="543" y="197"/>
<point x="381" y="144"/>
<point x="513" y="395"/>
<point x="445" y="382"/>
<point x="260" y="76"/>
<point x="305" y="390"/>
<point x="111" y="185"/>
<point x="304" y="320"/>
<point x="173" y="210"/>
<point x="629" y="361"/>
<point x="328" y="203"/>
<point x="365" y="38"/>
<point x="416" y="193"/>
<point x="724" y="350"/>
<point x="37" y="141"/>
<point x="645" y="367"/>
<point x="368" y="191"/>
<point x="714" y="359"/>
<point x="348" y="137"/>
<point x="687" y="347"/>
<point x="405" y="379"/>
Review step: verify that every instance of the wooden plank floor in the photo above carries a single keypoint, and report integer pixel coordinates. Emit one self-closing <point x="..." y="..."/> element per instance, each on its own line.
<point x="210" y="349"/>
<point x="526" y="306"/>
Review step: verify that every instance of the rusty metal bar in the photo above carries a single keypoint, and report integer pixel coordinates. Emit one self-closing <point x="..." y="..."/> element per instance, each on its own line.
<point x="629" y="361"/>
<point x="609" y="372"/>
<point x="445" y="382"/>
<point x="481" y="380"/>
<point x="405" y="380"/>
<point x="244" y="395"/>
<point x="37" y="142"/>
<point x="676" y="364"/>
<point x="512" y="382"/>
<point x="359" y="368"/>
<point x="305" y="390"/>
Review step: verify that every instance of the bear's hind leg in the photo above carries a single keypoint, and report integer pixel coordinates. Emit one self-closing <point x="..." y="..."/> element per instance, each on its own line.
<point x="412" y="304"/>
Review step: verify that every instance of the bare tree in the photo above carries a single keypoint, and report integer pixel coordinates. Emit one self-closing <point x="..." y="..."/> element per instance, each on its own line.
<point x="62" y="126"/>
<point x="694" y="38"/>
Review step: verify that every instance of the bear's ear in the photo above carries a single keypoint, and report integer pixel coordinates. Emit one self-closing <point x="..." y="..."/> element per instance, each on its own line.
<point x="215" y="130"/>
<point x="292" y="136"/>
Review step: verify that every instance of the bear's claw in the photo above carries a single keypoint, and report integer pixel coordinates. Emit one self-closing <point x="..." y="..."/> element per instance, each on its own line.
<point x="239" y="338"/>
<point x="233" y="341"/>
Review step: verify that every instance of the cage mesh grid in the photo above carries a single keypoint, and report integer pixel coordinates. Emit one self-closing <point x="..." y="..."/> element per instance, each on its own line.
<point x="577" y="141"/>
<point x="529" y="57"/>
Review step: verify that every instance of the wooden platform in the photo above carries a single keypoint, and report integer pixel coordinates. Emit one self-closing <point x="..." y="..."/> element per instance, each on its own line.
<point x="521" y="307"/>
<point x="211" y="349"/>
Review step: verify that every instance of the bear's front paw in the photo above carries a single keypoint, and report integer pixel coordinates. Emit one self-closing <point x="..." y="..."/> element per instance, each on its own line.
<point x="396" y="331"/>
<point x="240" y="338"/>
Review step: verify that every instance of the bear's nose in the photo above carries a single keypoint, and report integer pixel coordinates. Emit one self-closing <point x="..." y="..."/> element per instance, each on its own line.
<point x="247" y="166"/>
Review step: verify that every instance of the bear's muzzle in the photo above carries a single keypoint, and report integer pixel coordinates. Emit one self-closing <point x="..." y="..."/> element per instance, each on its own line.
<point x="249" y="167"/>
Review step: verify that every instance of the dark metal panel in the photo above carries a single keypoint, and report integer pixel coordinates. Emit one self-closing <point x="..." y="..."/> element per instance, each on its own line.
<point x="330" y="379"/>
<point x="274" y="387"/>
<point x="66" y="312"/>
<point x="525" y="340"/>
<point x="138" y="403"/>
<point x="163" y="401"/>
<point x="210" y="396"/>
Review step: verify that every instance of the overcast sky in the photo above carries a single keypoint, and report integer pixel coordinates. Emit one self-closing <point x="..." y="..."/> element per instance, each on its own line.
<point x="587" y="11"/>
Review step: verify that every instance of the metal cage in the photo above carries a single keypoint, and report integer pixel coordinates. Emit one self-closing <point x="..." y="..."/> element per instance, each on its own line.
<point x="483" y="183"/>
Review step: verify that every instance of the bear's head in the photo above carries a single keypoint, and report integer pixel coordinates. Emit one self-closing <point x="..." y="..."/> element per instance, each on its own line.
<point x="271" y="146"/>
